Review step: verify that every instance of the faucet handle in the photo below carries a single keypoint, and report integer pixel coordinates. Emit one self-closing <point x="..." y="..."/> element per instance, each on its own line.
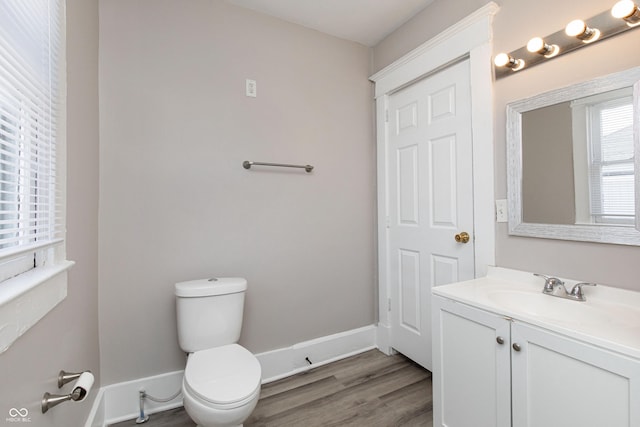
<point x="549" y="282"/>
<point x="576" y="291"/>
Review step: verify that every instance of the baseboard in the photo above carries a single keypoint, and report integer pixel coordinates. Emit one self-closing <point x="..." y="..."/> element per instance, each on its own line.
<point x="96" y="415"/>
<point x="120" y="402"/>
<point x="383" y="339"/>
<point x="289" y="361"/>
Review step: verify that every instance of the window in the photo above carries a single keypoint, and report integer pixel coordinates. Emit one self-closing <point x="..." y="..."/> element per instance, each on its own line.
<point x="606" y="158"/>
<point x="33" y="277"/>
<point x="611" y="171"/>
<point x="30" y="107"/>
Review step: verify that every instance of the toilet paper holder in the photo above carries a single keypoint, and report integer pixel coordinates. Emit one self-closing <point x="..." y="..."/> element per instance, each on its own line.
<point x="84" y="381"/>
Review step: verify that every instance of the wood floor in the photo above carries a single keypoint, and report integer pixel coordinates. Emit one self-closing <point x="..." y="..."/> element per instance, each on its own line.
<point x="368" y="390"/>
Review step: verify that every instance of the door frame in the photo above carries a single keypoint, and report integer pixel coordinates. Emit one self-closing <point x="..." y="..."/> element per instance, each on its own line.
<point x="469" y="38"/>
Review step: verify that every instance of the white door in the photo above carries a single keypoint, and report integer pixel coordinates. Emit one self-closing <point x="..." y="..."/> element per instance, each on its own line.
<point x="430" y="201"/>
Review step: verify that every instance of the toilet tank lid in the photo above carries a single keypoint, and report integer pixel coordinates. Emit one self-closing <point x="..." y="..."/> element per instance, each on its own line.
<point x="211" y="286"/>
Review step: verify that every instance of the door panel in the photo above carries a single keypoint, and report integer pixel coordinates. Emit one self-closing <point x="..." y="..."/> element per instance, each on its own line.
<point x="443" y="182"/>
<point x="408" y="185"/>
<point x="444" y="270"/>
<point x="410" y="290"/>
<point x="431" y="200"/>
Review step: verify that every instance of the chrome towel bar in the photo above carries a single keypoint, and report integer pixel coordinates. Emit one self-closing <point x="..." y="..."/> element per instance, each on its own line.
<point x="247" y="165"/>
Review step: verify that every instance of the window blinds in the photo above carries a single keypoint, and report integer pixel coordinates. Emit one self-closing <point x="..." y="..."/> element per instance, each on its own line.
<point x="30" y="110"/>
<point x="612" y="165"/>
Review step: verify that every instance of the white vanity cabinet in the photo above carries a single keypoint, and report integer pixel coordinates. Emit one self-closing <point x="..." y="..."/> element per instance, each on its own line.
<point x="491" y="370"/>
<point x="560" y="381"/>
<point x="471" y="368"/>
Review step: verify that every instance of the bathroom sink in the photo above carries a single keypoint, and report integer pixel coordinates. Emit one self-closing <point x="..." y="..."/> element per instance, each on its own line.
<point x="610" y="317"/>
<point x="567" y="311"/>
<point x="538" y="304"/>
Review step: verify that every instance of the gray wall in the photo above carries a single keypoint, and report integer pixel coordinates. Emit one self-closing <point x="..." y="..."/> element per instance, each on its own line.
<point x="176" y="204"/>
<point x="67" y="338"/>
<point x="516" y="22"/>
<point x="435" y="18"/>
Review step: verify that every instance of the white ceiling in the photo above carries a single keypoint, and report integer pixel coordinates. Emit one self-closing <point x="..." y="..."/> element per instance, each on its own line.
<point x="363" y="21"/>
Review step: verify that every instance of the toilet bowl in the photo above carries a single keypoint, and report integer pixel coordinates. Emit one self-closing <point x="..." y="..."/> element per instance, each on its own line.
<point x="222" y="379"/>
<point x="221" y="386"/>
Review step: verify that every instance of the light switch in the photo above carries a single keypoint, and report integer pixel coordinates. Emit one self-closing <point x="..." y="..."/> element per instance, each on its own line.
<point x="251" y="88"/>
<point x="501" y="210"/>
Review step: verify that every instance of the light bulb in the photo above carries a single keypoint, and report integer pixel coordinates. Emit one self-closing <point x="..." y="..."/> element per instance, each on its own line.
<point x="505" y="60"/>
<point x="538" y="45"/>
<point x="623" y="9"/>
<point x="502" y="59"/>
<point x="626" y="10"/>
<point x="577" y="28"/>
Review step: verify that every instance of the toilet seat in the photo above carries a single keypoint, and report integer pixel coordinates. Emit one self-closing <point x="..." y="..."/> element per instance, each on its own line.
<point x="225" y="377"/>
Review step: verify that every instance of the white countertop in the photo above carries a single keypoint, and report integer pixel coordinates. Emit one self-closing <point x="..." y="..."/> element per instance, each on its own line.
<point x="609" y="318"/>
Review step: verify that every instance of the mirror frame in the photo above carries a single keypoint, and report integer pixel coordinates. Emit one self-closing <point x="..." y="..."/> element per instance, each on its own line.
<point x="623" y="235"/>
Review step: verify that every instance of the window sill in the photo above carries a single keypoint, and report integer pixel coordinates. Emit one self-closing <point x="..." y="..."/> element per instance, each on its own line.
<point x="27" y="298"/>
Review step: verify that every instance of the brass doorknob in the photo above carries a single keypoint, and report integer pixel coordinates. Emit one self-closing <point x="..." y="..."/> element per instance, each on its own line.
<point x="462" y="237"/>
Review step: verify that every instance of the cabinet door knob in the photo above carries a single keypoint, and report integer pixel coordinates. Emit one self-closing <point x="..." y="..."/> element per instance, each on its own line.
<point x="500" y="340"/>
<point x="516" y="346"/>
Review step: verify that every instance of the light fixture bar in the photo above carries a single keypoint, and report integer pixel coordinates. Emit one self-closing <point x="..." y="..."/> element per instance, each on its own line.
<point x="596" y="28"/>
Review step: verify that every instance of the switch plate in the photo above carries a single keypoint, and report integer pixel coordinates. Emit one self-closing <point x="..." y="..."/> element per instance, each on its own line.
<point x="251" y="88"/>
<point x="501" y="210"/>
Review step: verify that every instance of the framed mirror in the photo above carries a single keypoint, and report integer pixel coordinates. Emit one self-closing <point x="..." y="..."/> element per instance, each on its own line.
<point x="573" y="164"/>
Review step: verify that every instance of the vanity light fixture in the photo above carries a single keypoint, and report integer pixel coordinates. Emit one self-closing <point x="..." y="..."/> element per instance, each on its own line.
<point x="623" y="16"/>
<point x="628" y="11"/>
<point x="577" y="28"/>
<point x="508" y="61"/>
<point x="538" y="45"/>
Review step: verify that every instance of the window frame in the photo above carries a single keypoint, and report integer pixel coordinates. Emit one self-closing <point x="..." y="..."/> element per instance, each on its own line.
<point x="27" y="296"/>
<point x="583" y="112"/>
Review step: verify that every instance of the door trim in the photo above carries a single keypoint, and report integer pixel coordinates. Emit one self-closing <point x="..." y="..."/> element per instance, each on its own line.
<point x="469" y="38"/>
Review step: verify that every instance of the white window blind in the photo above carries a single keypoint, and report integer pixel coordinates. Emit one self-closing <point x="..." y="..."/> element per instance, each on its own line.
<point x="31" y="215"/>
<point x="611" y="168"/>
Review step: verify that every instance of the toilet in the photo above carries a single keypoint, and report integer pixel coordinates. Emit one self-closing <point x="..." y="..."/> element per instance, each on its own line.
<point x="222" y="379"/>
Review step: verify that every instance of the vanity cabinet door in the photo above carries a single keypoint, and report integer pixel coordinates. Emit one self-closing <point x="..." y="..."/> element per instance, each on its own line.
<point x="561" y="382"/>
<point x="471" y="349"/>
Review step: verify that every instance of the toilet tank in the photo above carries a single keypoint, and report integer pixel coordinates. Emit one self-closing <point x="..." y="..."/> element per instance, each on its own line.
<point x="209" y="312"/>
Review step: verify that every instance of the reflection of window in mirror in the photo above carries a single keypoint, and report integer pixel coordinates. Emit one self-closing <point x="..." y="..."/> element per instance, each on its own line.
<point x="604" y="161"/>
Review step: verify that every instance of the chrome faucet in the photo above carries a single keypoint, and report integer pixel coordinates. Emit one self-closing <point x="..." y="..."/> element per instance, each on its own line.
<point x="555" y="287"/>
<point x="576" y="292"/>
